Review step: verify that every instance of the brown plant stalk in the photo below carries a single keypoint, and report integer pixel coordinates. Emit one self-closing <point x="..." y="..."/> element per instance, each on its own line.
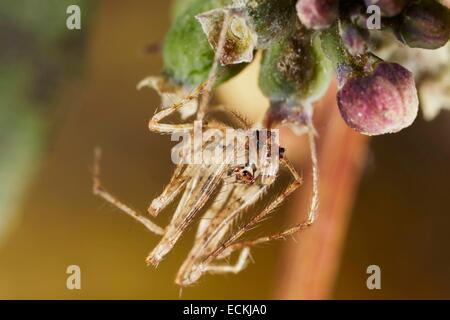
<point x="309" y="266"/>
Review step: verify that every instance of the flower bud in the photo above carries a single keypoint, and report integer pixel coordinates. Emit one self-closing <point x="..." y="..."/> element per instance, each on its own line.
<point x="384" y="101"/>
<point x="187" y="54"/>
<point x="294" y="74"/>
<point x="269" y="19"/>
<point x="317" y="14"/>
<point x="389" y="8"/>
<point x="295" y="68"/>
<point x="425" y="24"/>
<point x="354" y="39"/>
<point x="240" y="40"/>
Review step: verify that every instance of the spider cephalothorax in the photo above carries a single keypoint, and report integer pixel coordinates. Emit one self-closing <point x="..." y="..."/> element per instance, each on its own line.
<point x="245" y="174"/>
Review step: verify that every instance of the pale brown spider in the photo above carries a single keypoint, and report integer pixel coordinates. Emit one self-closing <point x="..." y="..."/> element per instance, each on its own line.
<point x="239" y="186"/>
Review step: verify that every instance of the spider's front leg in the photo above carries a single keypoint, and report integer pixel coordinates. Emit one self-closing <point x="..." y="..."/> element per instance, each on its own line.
<point x="155" y="124"/>
<point x="201" y="96"/>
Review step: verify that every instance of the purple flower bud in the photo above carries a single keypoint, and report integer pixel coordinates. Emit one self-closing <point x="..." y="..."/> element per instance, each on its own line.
<point x="354" y="39"/>
<point x="385" y="101"/>
<point x="317" y="14"/>
<point x="389" y="8"/>
<point x="425" y="25"/>
<point x="358" y="16"/>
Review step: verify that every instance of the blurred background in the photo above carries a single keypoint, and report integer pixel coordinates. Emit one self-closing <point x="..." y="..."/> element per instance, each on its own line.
<point x="63" y="92"/>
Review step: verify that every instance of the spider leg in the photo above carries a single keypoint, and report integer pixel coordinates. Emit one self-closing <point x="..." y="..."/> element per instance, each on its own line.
<point x="240" y="264"/>
<point x="155" y="125"/>
<point x="239" y="119"/>
<point x="176" y="184"/>
<point x="201" y="181"/>
<point x="204" y="186"/>
<point x="204" y="101"/>
<point x="210" y="236"/>
<point x="217" y="207"/>
<point x="233" y="245"/>
<point x="179" y="178"/>
<point x="188" y="193"/>
<point x="201" y="94"/>
<point x="98" y="190"/>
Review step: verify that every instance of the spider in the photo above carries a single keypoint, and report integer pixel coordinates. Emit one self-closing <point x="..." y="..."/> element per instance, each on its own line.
<point x="234" y="185"/>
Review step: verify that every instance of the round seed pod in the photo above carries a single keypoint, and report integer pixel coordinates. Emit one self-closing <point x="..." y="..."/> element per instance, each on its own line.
<point x="294" y="73"/>
<point x="354" y="38"/>
<point x="374" y="97"/>
<point x="317" y="14"/>
<point x="384" y="101"/>
<point x="425" y="24"/>
<point x="187" y="54"/>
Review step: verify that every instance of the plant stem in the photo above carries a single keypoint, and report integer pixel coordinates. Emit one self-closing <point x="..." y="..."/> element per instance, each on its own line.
<point x="309" y="267"/>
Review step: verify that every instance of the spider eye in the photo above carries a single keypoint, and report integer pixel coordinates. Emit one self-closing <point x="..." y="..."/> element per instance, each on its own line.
<point x="247" y="174"/>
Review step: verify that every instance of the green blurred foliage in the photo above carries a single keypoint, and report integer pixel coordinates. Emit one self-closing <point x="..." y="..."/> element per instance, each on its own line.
<point x="185" y="63"/>
<point x="37" y="51"/>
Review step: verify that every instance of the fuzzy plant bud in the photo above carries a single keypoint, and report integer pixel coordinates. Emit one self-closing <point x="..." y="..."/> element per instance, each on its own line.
<point x="374" y="97"/>
<point x="354" y="38"/>
<point x="385" y="101"/>
<point x="425" y="24"/>
<point x="269" y="19"/>
<point x="294" y="74"/>
<point x="317" y="14"/>
<point x="389" y="8"/>
<point x="187" y="54"/>
<point x="240" y="40"/>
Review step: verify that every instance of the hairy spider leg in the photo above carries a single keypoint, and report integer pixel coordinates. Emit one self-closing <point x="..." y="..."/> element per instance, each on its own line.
<point x="234" y="244"/>
<point x="241" y="198"/>
<point x="176" y="184"/>
<point x="108" y="197"/>
<point x="207" y="181"/>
